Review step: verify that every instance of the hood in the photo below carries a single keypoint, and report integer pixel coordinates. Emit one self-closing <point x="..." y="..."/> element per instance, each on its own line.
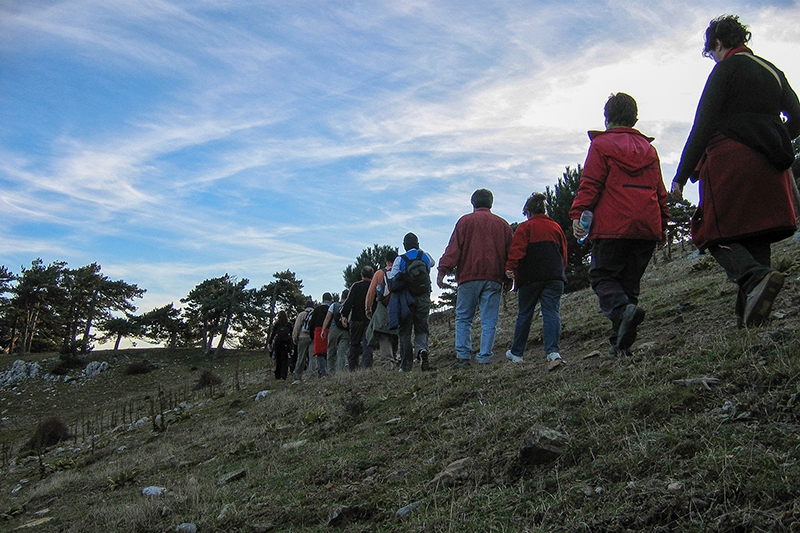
<point x="627" y="147"/>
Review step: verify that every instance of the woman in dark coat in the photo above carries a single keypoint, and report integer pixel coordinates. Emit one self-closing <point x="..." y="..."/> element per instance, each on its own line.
<point x="280" y="344"/>
<point x="740" y="150"/>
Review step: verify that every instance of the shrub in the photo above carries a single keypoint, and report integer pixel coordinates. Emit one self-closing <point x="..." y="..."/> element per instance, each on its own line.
<point x="67" y="363"/>
<point x="49" y="432"/>
<point x="207" y="379"/>
<point x="139" y="367"/>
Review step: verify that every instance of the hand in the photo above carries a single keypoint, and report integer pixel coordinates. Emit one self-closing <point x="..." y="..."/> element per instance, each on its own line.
<point x="577" y="229"/>
<point x="324" y="333"/>
<point x="440" y="280"/>
<point x="510" y="274"/>
<point x="677" y="191"/>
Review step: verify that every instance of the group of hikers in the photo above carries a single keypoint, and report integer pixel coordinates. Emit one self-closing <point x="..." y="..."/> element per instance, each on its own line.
<point x="739" y="149"/>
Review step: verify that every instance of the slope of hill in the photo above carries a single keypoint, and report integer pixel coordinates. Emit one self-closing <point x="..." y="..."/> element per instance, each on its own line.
<point x="697" y="431"/>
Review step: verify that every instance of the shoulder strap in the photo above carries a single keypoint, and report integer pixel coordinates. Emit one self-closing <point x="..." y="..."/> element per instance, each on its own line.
<point x="763" y="64"/>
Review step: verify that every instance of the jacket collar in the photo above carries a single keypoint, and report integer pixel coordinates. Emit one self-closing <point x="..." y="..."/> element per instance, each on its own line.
<point x="596" y="133"/>
<point x="737" y="50"/>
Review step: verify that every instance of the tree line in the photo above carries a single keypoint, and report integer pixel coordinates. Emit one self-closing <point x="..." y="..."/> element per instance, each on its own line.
<point x="56" y="308"/>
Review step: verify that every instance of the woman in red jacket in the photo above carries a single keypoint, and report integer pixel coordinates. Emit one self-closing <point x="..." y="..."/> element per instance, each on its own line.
<point x="740" y="150"/>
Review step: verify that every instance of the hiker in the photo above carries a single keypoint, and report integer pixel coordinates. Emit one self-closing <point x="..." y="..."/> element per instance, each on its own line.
<point x="740" y="150"/>
<point x="622" y="185"/>
<point x="302" y="339"/>
<point x="410" y="283"/>
<point x="537" y="263"/>
<point x="378" y="296"/>
<point x="477" y="254"/>
<point x="355" y="317"/>
<point x="280" y="344"/>
<point x="337" y="335"/>
<point x="318" y="334"/>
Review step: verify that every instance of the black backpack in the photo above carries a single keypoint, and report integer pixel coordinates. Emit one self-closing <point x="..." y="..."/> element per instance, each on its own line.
<point x="417" y="275"/>
<point x="305" y="326"/>
<point x="337" y="315"/>
<point x="283" y="333"/>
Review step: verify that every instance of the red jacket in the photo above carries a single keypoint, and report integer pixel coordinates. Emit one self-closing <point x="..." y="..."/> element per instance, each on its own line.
<point x="621" y="183"/>
<point x="478" y="248"/>
<point x="538" y="251"/>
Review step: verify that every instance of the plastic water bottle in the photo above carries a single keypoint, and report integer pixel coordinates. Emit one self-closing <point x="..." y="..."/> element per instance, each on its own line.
<point x="586" y="223"/>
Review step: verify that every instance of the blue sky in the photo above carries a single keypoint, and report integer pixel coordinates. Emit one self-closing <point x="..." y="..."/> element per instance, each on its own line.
<point x="174" y="141"/>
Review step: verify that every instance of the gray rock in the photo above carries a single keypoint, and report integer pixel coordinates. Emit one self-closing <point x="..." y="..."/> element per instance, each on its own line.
<point x="226" y="511"/>
<point x="455" y="471"/>
<point x="186" y="527"/>
<point x="153" y="491"/>
<point x="19" y="371"/>
<point x="232" y="476"/>
<point x="542" y="445"/>
<point x="263" y="394"/>
<point x="94" y="368"/>
<point x="405" y="511"/>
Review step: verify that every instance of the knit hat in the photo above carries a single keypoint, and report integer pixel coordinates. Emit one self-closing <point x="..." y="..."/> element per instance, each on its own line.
<point x="410" y="241"/>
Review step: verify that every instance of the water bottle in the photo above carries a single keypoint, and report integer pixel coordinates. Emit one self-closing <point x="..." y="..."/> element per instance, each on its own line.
<point x="586" y="223"/>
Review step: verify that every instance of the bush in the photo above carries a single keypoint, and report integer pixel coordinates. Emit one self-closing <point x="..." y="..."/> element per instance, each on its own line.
<point x="48" y="433"/>
<point x="67" y="363"/>
<point x="139" y="367"/>
<point x="207" y="379"/>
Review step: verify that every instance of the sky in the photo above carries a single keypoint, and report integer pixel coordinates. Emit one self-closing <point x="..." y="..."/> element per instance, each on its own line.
<point x="176" y="141"/>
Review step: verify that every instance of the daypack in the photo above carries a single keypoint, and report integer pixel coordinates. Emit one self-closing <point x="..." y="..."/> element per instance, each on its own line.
<point x="417" y="278"/>
<point x="306" y="324"/>
<point x="283" y="333"/>
<point x="337" y="315"/>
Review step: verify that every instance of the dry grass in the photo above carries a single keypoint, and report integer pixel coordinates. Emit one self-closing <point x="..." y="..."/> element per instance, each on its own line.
<point x="649" y="448"/>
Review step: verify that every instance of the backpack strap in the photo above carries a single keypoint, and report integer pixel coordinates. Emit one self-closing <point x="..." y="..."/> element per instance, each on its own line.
<point x="763" y="64"/>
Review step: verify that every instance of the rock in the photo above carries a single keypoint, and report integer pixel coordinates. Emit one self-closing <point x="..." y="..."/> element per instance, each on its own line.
<point x="542" y="445"/>
<point x="186" y="527"/>
<point x="153" y="491"/>
<point x="263" y="394"/>
<point x="226" y="511"/>
<point x="94" y="368"/>
<point x="404" y="511"/>
<point x="675" y="486"/>
<point x="455" y="471"/>
<point x="19" y="371"/>
<point x="239" y="413"/>
<point x="392" y="421"/>
<point x="232" y="476"/>
<point x="293" y="445"/>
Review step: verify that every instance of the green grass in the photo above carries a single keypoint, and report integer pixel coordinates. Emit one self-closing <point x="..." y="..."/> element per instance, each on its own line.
<point x="649" y="447"/>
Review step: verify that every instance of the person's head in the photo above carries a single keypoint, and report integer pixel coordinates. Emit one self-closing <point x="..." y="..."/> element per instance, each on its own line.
<point x="390" y="256"/>
<point x="310" y="303"/>
<point x="282" y="318"/>
<point x="345" y="294"/>
<point x="621" y="110"/>
<point x="410" y="242"/>
<point x="725" y="31"/>
<point x="482" y="198"/>
<point x="327" y="297"/>
<point x="367" y="272"/>
<point x="534" y="205"/>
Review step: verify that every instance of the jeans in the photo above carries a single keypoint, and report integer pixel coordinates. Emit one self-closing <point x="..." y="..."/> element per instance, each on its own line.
<point x="305" y="352"/>
<point x="470" y="295"/>
<point x="338" y="345"/>
<point x="417" y="320"/>
<point x="549" y="294"/>
<point x="615" y="274"/>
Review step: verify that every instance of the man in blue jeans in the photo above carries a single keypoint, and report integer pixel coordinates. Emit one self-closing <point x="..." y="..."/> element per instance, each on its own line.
<point x="536" y="262"/>
<point x="477" y="255"/>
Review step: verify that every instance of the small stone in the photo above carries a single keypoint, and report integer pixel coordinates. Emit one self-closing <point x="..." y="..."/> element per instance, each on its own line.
<point x="227" y="509"/>
<point x="232" y="476"/>
<point x="589" y="355"/>
<point x="186" y="527"/>
<point x="153" y="491"/>
<point x="263" y="394"/>
<point x="239" y="413"/>
<point x="675" y="486"/>
<point x="405" y="511"/>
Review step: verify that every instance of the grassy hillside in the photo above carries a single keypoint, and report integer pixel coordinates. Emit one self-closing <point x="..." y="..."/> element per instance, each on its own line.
<point x="647" y="444"/>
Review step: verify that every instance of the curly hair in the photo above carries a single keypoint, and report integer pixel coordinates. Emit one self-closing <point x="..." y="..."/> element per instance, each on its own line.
<point x="534" y="205"/>
<point x="621" y="110"/>
<point x="728" y="31"/>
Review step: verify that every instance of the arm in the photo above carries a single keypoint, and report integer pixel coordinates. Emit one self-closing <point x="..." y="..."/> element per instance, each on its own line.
<point x="451" y="256"/>
<point x="372" y="292"/>
<point x="706" y="120"/>
<point x="297" y="324"/>
<point x="326" y="323"/>
<point x="593" y="181"/>
<point x="519" y="248"/>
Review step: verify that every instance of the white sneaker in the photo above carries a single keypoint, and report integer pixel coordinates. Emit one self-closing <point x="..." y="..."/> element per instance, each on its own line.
<point x="553" y="356"/>
<point x="513" y="358"/>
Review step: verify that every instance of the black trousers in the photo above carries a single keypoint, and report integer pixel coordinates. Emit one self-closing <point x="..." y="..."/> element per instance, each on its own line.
<point x="746" y="262"/>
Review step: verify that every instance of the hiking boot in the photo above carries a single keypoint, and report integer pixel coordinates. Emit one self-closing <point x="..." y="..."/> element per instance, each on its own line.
<point x="632" y="316"/>
<point x="461" y="363"/>
<point x="513" y="358"/>
<point x="759" y="300"/>
<point x="615" y="351"/>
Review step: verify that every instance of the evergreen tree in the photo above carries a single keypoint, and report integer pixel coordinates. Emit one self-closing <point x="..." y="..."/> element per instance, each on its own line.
<point x="558" y="203"/>
<point x="373" y="257"/>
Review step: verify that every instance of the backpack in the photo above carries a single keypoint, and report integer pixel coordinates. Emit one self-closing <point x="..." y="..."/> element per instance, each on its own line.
<point x="337" y="315"/>
<point x="306" y="324"/>
<point x="283" y="333"/>
<point x="417" y="278"/>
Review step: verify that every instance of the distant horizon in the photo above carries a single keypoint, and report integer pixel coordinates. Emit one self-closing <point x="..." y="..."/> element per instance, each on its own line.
<point x="173" y="143"/>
